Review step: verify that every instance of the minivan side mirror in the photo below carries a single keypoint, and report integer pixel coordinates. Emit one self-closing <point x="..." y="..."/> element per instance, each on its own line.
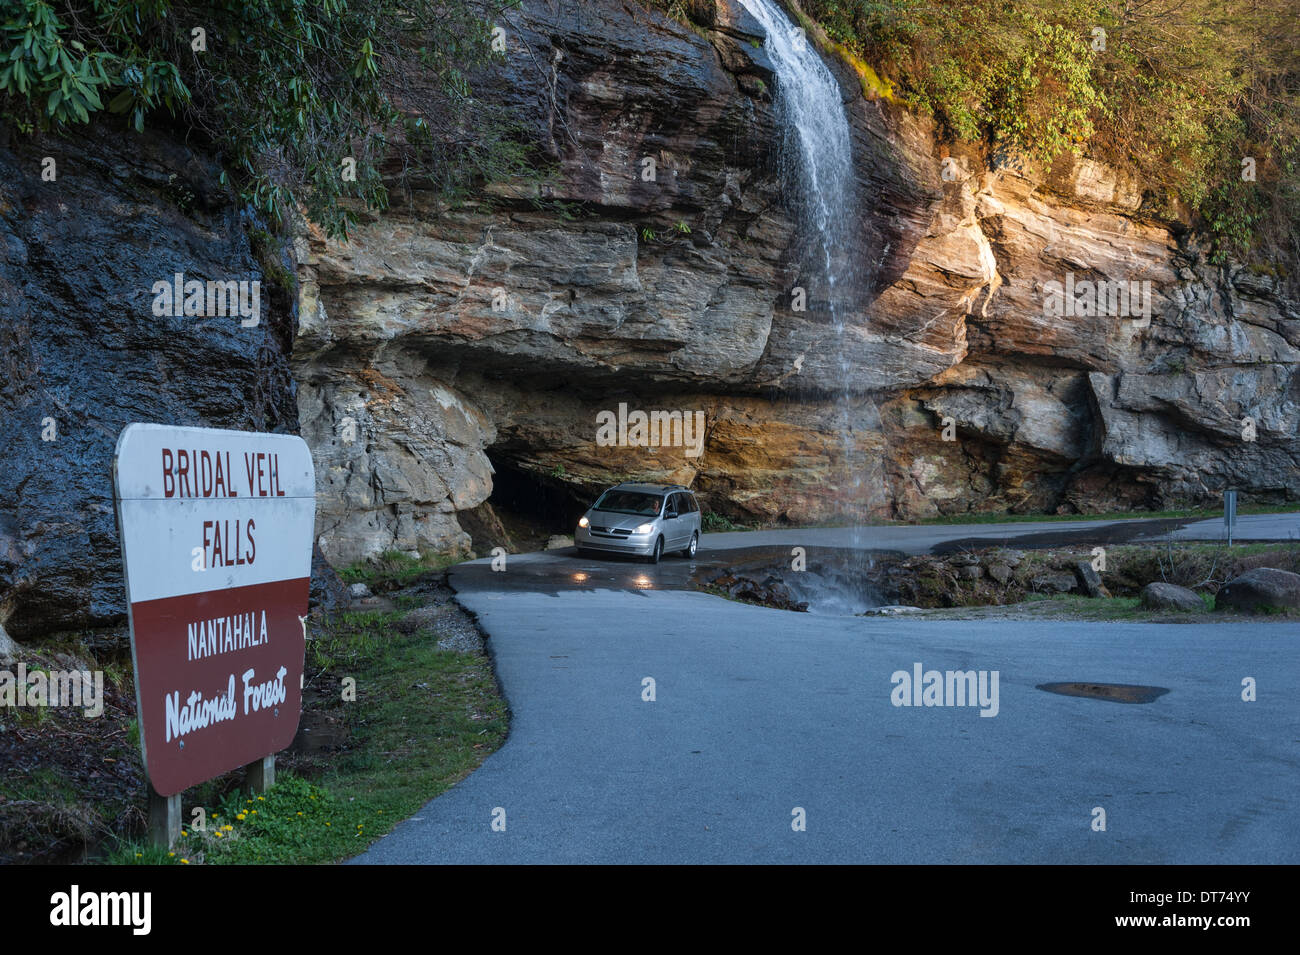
<point x="670" y="514"/>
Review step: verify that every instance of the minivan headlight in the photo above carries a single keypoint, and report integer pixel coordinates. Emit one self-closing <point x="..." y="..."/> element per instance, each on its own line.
<point x="583" y="522"/>
<point x="645" y="528"/>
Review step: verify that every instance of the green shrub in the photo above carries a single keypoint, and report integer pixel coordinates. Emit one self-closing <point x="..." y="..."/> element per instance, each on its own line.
<point x="1182" y="91"/>
<point x="284" y="90"/>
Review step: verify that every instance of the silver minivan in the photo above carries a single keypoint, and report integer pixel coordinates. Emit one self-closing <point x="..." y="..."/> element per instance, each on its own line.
<point x="642" y="520"/>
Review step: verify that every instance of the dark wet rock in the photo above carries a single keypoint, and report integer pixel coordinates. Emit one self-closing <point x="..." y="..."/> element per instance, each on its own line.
<point x="84" y="355"/>
<point x="328" y="593"/>
<point x="770" y="592"/>
<point x="1054" y="582"/>
<point x="1262" y="589"/>
<point x="1159" y="595"/>
<point x="1090" y="580"/>
<point x="486" y="530"/>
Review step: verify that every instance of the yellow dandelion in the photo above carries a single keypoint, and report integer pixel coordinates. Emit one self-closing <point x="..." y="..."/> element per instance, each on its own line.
<point x="261" y="799"/>
<point x="171" y="855"/>
<point x="218" y="833"/>
<point x="240" y="817"/>
<point x="185" y="862"/>
<point x="300" y="814"/>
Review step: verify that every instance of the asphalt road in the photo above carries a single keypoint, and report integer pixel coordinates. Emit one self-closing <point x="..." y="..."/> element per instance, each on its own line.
<point x="922" y="538"/>
<point x="759" y="712"/>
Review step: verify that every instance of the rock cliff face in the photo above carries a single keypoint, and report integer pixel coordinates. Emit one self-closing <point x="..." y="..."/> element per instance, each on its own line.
<point x="85" y="355"/>
<point x="658" y="267"/>
<point x="434" y="344"/>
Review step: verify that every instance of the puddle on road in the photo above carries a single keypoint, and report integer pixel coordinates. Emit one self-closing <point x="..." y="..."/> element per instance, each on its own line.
<point x="1112" y="692"/>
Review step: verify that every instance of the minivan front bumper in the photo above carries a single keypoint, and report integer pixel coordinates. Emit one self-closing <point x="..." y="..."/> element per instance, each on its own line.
<point x="640" y="545"/>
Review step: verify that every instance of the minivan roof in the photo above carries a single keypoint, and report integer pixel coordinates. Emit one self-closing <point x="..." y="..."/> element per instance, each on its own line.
<point x="650" y="488"/>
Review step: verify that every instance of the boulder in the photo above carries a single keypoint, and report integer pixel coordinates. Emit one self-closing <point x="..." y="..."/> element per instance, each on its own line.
<point x="1090" y="580"/>
<point x="771" y="592"/>
<point x="1261" y="589"/>
<point x="1054" y="582"/>
<point x="328" y="593"/>
<point x="999" y="572"/>
<point x="358" y="591"/>
<point x="1159" y="595"/>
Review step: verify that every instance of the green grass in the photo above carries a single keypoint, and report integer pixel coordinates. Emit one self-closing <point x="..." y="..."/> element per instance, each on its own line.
<point x="423" y="719"/>
<point x="43" y="784"/>
<point x="713" y="521"/>
<point x="393" y="569"/>
<point x="1093" y="608"/>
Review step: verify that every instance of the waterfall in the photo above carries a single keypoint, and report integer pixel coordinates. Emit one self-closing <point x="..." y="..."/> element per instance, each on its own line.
<point x="817" y="173"/>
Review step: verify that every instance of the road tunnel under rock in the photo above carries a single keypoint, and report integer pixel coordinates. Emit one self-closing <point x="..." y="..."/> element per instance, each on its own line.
<point x="530" y="506"/>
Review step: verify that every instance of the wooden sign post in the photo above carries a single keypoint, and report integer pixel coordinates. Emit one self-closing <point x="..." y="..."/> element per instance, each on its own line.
<point x="216" y="530"/>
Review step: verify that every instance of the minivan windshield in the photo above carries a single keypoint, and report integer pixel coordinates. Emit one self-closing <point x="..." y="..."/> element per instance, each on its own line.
<point x="629" y="502"/>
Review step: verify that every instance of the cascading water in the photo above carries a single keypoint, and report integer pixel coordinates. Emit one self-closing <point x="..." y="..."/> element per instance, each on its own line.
<point x="817" y="169"/>
<point x="817" y="158"/>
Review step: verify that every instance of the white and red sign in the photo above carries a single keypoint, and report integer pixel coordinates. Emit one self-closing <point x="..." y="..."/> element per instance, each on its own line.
<point x="217" y="529"/>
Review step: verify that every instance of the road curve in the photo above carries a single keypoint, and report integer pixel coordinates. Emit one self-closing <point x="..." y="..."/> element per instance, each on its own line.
<point x="758" y="713"/>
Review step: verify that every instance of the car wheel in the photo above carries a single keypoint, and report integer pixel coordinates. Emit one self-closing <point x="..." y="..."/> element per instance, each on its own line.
<point x="689" y="552"/>
<point x="659" y="551"/>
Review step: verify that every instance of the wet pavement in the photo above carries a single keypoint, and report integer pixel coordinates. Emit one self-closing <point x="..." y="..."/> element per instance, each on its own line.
<point x="756" y="714"/>
<point x="651" y="725"/>
<point x="556" y="571"/>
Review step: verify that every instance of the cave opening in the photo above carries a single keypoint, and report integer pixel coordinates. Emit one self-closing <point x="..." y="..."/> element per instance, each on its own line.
<point x="530" y="505"/>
